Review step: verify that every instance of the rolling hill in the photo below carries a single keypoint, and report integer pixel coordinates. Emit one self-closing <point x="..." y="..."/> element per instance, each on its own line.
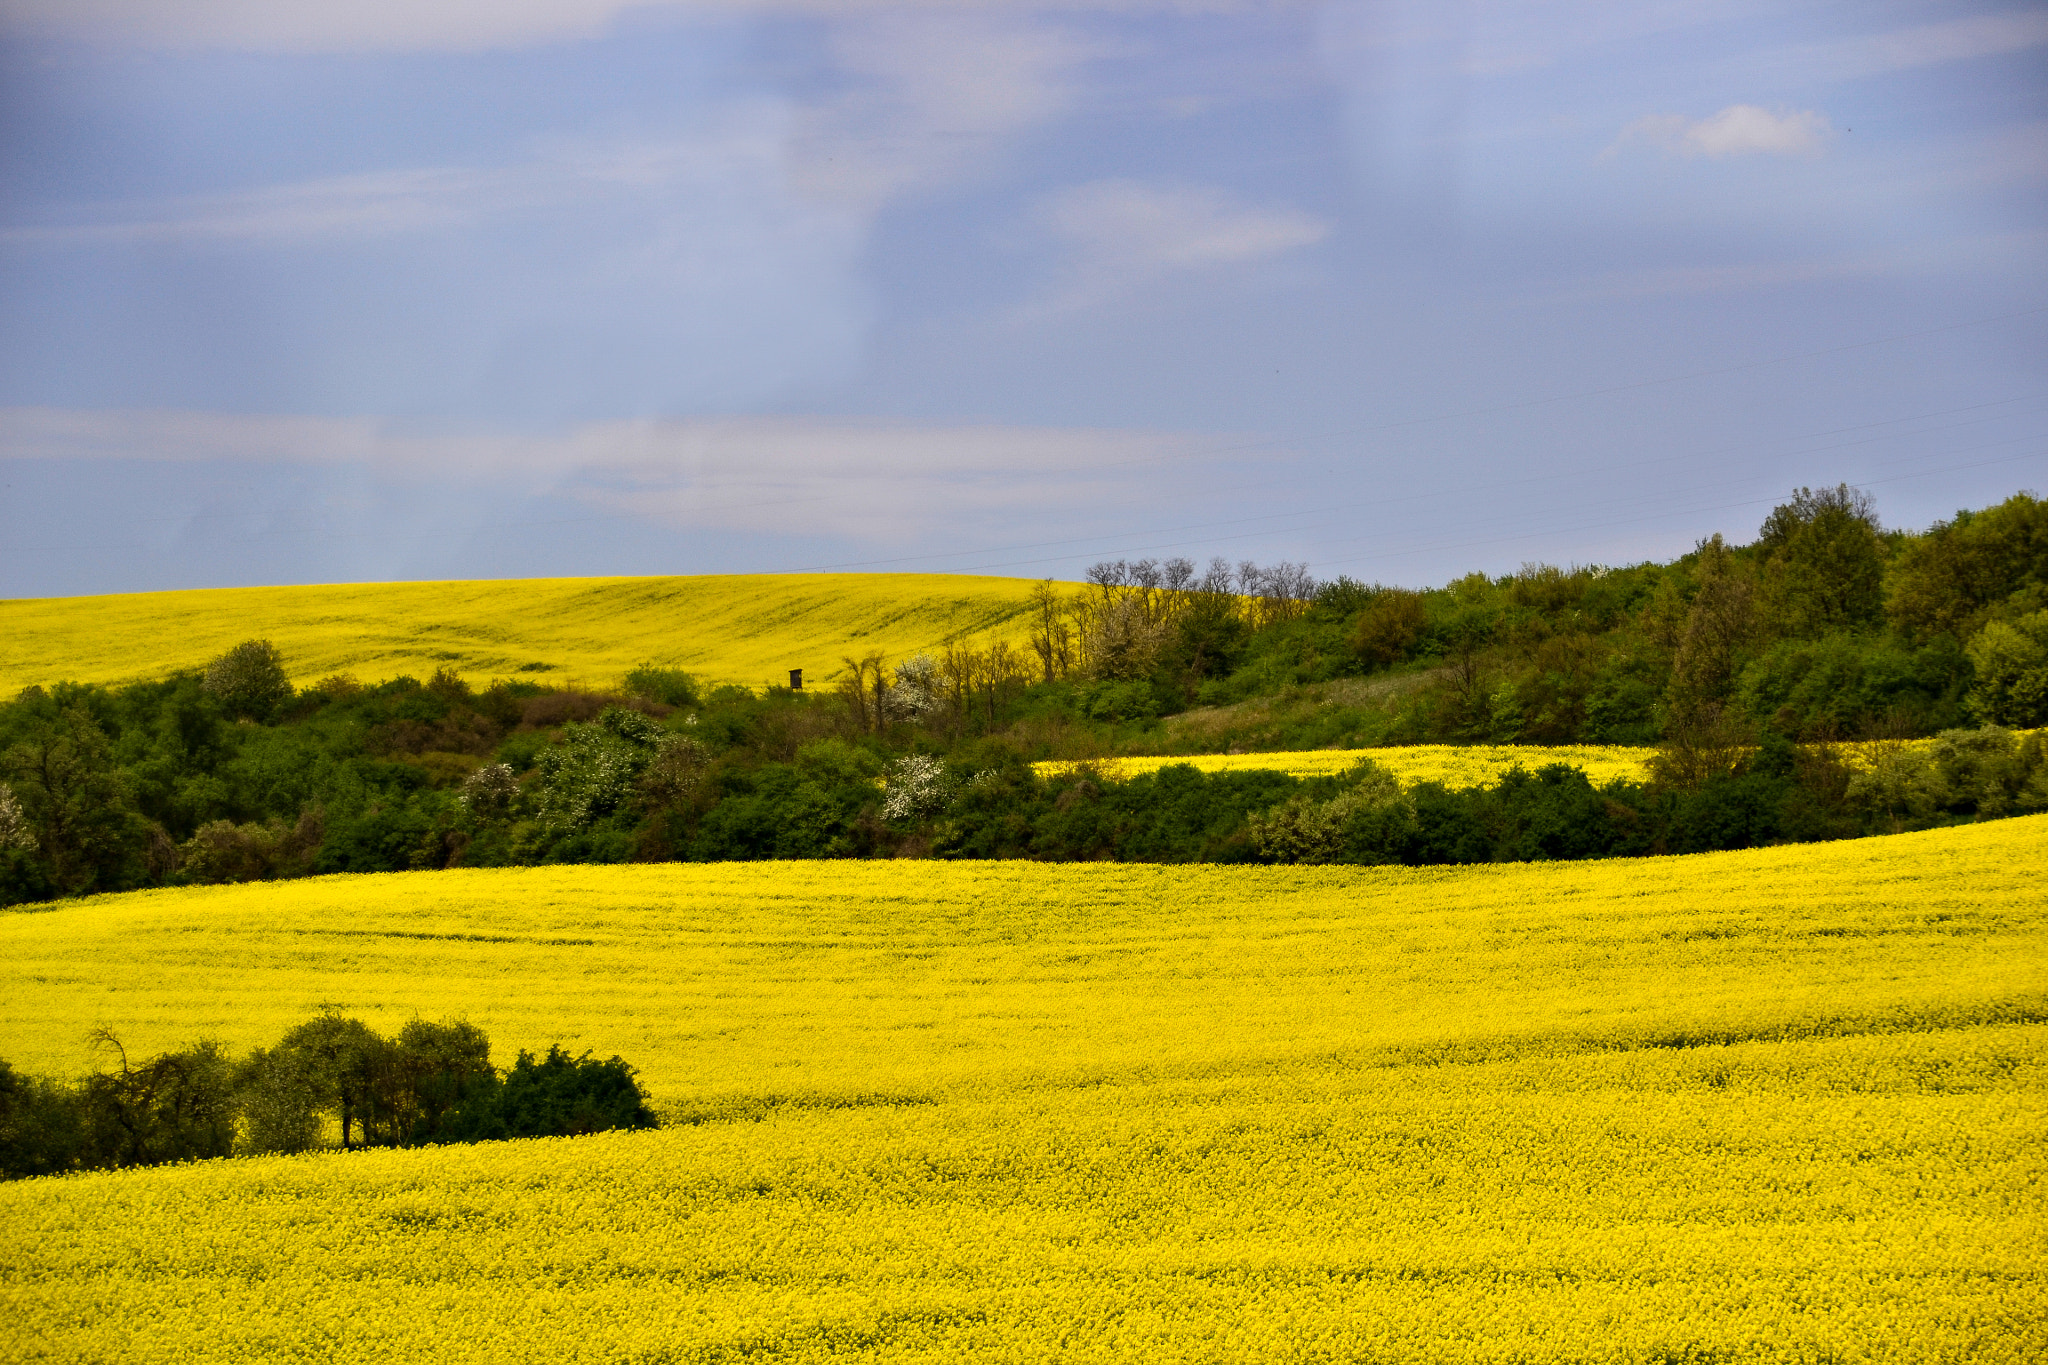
<point x="1773" y="1105"/>
<point x="741" y="628"/>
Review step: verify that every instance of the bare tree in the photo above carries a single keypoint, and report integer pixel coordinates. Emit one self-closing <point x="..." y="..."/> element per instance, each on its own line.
<point x="959" y="667"/>
<point x="1052" y="638"/>
<point x="1110" y="578"/>
<point x="863" y="689"/>
<point x="1003" y="671"/>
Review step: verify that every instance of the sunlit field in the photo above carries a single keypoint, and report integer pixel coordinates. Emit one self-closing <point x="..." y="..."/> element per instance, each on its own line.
<point x="1780" y="1104"/>
<point x="741" y="628"/>
<point x="1454" y="765"/>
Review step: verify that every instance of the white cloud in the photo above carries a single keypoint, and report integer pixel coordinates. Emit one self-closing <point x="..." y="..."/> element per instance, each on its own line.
<point x="922" y="101"/>
<point x="842" y="477"/>
<point x="742" y="159"/>
<point x="441" y="25"/>
<point x="1120" y="234"/>
<point x="931" y="99"/>
<point x="1738" y="130"/>
<point x="1878" y="54"/>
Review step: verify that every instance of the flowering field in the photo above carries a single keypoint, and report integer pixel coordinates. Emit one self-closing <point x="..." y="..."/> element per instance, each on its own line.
<point x="1781" y="1104"/>
<point x="1454" y="765"/>
<point x="1459" y="765"/>
<point x="744" y="628"/>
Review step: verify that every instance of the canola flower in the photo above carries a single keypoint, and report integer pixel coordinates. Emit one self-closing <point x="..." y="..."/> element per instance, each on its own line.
<point x="1776" y="1105"/>
<point x="743" y="628"/>
<point x="1454" y="765"/>
<point x="1458" y="765"/>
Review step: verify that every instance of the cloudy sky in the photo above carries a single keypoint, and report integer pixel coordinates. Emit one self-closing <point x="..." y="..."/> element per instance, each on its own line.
<point x="300" y="292"/>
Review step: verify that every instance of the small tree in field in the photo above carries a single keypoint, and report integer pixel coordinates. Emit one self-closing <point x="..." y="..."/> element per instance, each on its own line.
<point x="249" y="679"/>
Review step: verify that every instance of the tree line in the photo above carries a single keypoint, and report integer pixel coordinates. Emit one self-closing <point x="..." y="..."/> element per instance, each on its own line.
<point x="332" y="1080"/>
<point x="1827" y="627"/>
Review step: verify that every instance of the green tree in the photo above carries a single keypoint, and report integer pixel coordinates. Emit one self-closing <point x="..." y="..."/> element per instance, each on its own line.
<point x="176" y="1106"/>
<point x="280" y="1102"/>
<point x="1947" y="581"/>
<point x="667" y="686"/>
<point x="1824" y="561"/>
<point x="559" y="1095"/>
<point x="436" y="1069"/>
<point x="2011" y="662"/>
<point x="340" y="1061"/>
<point x="1387" y="630"/>
<point x="75" y="804"/>
<point x="250" y="680"/>
<point x="1717" y="623"/>
<point x="41" y="1132"/>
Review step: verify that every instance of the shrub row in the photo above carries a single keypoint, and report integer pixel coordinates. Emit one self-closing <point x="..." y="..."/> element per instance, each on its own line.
<point x="331" y="1080"/>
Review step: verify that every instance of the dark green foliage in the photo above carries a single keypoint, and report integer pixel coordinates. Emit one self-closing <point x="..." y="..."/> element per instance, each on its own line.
<point x="1828" y="688"/>
<point x="1823" y="559"/>
<point x="1388" y="626"/>
<point x="2010" y="660"/>
<point x="433" y="1083"/>
<point x="1949" y="581"/>
<point x="1208" y="641"/>
<point x="668" y="686"/>
<point x="341" y="1064"/>
<point x="558" y="1095"/>
<point x="76" y="802"/>
<point x="41" y="1126"/>
<point x="1825" y="628"/>
<point x="179" y="1106"/>
<point x="249" y="680"/>
<point x="435" y="1071"/>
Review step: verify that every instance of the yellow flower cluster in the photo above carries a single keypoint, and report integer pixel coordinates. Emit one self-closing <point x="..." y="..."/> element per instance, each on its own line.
<point x="744" y="628"/>
<point x="1454" y="765"/>
<point x="1775" y="1105"/>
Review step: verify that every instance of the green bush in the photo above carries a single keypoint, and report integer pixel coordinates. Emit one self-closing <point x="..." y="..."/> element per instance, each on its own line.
<point x="249" y="680"/>
<point x="668" y="686"/>
<point x="2011" y="662"/>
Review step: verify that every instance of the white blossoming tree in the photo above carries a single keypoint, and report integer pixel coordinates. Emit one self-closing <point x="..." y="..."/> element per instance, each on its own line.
<point x="917" y="787"/>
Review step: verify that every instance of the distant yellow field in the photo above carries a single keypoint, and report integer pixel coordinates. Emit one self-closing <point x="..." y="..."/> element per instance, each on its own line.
<point x="742" y="628"/>
<point x="1454" y="765"/>
<point x="1778" y="1105"/>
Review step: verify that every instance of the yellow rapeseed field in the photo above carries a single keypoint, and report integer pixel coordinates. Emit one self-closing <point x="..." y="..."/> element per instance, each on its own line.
<point x="744" y="628"/>
<point x="1777" y="1105"/>
<point x="1454" y="765"/>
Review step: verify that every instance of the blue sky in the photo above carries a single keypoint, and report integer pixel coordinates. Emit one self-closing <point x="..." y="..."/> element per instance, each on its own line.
<point x="431" y="289"/>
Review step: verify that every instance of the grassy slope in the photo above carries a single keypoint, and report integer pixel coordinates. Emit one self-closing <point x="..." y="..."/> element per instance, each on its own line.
<point x="1770" y="1105"/>
<point x="746" y="628"/>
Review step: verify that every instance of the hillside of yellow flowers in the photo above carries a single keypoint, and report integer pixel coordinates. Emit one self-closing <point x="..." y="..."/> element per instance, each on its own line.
<point x="1777" y="1104"/>
<point x="748" y="629"/>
